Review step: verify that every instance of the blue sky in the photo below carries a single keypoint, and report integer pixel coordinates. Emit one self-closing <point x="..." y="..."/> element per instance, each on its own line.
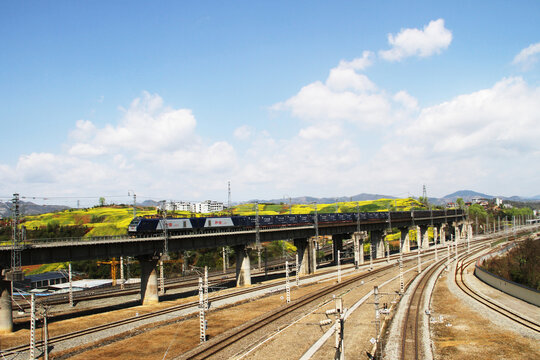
<point x="174" y="99"/>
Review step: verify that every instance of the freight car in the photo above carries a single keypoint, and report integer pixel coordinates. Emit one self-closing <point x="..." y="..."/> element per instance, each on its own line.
<point x="143" y="226"/>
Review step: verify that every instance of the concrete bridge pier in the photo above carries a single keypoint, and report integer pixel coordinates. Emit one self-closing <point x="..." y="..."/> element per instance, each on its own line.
<point x="377" y="243"/>
<point x="302" y="248"/>
<point x="149" y="279"/>
<point x="442" y="235"/>
<point x="424" y="237"/>
<point x="337" y="245"/>
<point x="457" y="233"/>
<point x="6" y="317"/>
<point x="358" y="245"/>
<point x="405" y="242"/>
<point x="421" y="234"/>
<point x="243" y="266"/>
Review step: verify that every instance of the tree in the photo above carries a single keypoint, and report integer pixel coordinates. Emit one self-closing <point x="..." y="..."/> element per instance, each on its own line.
<point x="461" y="203"/>
<point x="101" y="201"/>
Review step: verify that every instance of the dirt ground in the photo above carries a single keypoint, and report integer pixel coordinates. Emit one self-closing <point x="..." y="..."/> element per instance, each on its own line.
<point x="471" y="335"/>
<point x="170" y="341"/>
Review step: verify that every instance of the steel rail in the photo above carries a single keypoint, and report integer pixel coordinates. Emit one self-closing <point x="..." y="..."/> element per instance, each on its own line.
<point x="468" y="290"/>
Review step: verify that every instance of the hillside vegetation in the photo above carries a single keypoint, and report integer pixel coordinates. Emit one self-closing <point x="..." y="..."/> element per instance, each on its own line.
<point x="520" y="264"/>
<point x="103" y="221"/>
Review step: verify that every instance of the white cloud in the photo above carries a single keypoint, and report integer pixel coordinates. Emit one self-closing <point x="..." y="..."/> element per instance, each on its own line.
<point x="500" y="120"/>
<point x="528" y="56"/>
<point x="147" y="127"/>
<point x="359" y="63"/>
<point x="86" y="150"/>
<point x="414" y="42"/>
<point x="243" y="132"/>
<point x="408" y="101"/>
<point x="317" y="101"/>
<point x="321" y="131"/>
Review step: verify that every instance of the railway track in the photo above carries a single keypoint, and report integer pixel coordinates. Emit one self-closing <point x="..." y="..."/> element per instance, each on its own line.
<point x="410" y="342"/>
<point x="508" y="313"/>
<point x="232" y="336"/>
<point x="155" y="314"/>
<point x="148" y="316"/>
<point x="215" y="279"/>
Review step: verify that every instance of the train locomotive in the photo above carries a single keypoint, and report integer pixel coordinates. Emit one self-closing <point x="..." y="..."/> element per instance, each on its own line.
<point x="150" y="226"/>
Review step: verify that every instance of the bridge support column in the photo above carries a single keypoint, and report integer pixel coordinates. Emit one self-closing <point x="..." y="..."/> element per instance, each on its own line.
<point x="421" y="234"/>
<point x="424" y="237"/>
<point x="337" y="245"/>
<point x="405" y="242"/>
<point x="464" y="231"/>
<point x="243" y="266"/>
<point x="302" y="248"/>
<point x="457" y="234"/>
<point x="442" y="234"/>
<point x="149" y="280"/>
<point x="358" y="245"/>
<point x="377" y="242"/>
<point x="6" y="317"/>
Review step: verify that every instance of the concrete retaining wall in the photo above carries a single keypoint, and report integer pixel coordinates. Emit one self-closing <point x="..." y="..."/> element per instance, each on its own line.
<point x="517" y="290"/>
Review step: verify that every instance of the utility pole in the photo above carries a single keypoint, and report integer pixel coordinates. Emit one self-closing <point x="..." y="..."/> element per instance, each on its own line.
<point x="387" y="243"/>
<point x="377" y="315"/>
<point x="316" y="239"/>
<point x="165" y="255"/>
<point x="202" y="319"/>
<point x="70" y="286"/>
<point x="32" y="326"/>
<point x="340" y="345"/>
<point x="257" y="235"/>
<point x="122" y="278"/>
<point x="229" y="196"/>
<point x="419" y="264"/>
<point x="45" y="334"/>
<point x="338" y="266"/>
<point x="456" y="248"/>
<point x="287" y="284"/>
<point x="224" y="261"/>
<point x="131" y="192"/>
<point x="401" y="280"/>
<point x="370" y="251"/>
<point x="16" y="273"/>
<point x="205" y="285"/>
<point x="297" y="271"/>
<point x="161" y="278"/>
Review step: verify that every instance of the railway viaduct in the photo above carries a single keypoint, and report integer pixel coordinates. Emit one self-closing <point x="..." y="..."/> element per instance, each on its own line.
<point x="149" y="250"/>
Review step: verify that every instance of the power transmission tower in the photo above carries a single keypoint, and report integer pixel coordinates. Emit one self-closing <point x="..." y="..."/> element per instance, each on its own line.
<point x="16" y="273"/>
<point x="229" y="196"/>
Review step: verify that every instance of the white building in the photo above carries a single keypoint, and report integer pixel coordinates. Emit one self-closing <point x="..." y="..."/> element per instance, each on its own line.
<point x="207" y="206"/>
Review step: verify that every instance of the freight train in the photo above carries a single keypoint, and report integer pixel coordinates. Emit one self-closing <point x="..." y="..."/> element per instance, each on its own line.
<point x="149" y="226"/>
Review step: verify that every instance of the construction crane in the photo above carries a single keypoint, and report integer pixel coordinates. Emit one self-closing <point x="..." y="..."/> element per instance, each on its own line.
<point x="113" y="263"/>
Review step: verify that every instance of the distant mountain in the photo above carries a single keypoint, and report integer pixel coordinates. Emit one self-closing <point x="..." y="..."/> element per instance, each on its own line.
<point x="468" y="195"/>
<point x="325" y="200"/>
<point x="29" y="208"/>
<point x="148" y="203"/>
